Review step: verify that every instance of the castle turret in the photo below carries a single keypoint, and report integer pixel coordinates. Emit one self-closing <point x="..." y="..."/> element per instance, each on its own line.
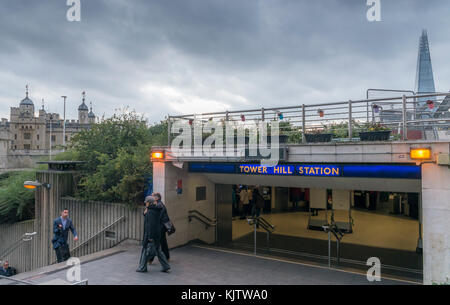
<point x="26" y="107"/>
<point x="91" y="116"/>
<point x="83" y="111"/>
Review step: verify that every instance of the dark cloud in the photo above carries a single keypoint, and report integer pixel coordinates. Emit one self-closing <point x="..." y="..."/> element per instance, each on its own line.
<point x="167" y="56"/>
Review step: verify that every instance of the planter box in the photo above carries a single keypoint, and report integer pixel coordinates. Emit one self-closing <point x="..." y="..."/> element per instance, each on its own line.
<point x="375" y="135"/>
<point x="318" y="138"/>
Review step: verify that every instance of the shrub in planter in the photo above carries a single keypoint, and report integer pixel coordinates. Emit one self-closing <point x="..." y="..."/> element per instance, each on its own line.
<point x="375" y="132"/>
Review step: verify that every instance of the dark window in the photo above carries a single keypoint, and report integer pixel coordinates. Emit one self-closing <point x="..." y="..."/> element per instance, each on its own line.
<point x="15" y="137"/>
<point x="38" y="147"/>
<point x="200" y="193"/>
<point x="27" y="136"/>
<point x="26" y="147"/>
<point x="53" y="138"/>
<point x="38" y="137"/>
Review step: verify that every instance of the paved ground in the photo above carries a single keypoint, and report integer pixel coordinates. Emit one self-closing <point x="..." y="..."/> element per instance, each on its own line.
<point x="193" y="265"/>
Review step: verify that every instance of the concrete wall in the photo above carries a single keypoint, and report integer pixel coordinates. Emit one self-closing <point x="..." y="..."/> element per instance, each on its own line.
<point x="22" y="257"/>
<point x="166" y="176"/>
<point x="436" y="219"/>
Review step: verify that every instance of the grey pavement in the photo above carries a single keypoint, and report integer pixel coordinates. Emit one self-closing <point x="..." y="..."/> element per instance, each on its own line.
<point x="193" y="265"/>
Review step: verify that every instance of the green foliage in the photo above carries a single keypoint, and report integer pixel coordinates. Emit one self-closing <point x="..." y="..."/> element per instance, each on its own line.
<point x="16" y="202"/>
<point x="117" y="156"/>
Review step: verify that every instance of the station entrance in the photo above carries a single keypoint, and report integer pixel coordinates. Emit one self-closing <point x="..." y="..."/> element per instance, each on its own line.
<point x="373" y="218"/>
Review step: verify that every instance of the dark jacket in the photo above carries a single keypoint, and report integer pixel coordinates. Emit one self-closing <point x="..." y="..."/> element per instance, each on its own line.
<point x="164" y="218"/>
<point x="10" y="271"/>
<point x="60" y="235"/>
<point x="152" y="223"/>
<point x="259" y="199"/>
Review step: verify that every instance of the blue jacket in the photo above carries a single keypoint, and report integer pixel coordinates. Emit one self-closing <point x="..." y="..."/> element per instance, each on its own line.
<point x="61" y="235"/>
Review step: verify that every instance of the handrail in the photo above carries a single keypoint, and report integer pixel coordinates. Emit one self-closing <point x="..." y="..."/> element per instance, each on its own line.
<point x="15" y="280"/>
<point x="206" y="223"/>
<point x="202" y="215"/>
<point x="98" y="233"/>
<point x="24" y="238"/>
<point x="263" y="223"/>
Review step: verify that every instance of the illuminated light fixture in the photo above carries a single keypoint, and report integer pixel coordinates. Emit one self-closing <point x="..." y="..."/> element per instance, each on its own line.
<point x="157" y="155"/>
<point x="32" y="185"/>
<point x="242" y="118"/>
<point x="321" y="113"/>
<point x="420" y="153"/>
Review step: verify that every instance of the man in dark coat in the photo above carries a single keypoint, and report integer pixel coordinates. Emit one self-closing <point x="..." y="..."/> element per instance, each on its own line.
<point x="6" y="270"/>
<point x="61" y="227"/>
<point x="258" y="202"/>
<point x="164" y="219"/>
<point x="151" y="242"/>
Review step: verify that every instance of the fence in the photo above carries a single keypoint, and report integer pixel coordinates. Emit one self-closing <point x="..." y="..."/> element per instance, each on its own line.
<point x="100" y="226"/>
<point x="12" y="238"/>
<point x="343" y="119"/>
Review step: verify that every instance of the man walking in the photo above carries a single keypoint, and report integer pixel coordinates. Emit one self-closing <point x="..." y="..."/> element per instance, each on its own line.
<point x="164" y="220"/>
<point x="151" y="242"/>
<point x="61" y="227"/>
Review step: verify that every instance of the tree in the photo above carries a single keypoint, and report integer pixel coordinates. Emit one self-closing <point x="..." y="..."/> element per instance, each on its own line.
<point x="16" y="202"/>
<point x="117" y="156"/>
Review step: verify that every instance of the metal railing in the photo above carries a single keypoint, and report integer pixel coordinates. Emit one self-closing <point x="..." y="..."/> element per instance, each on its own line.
<point x="24" y="238"/>
<point x="343" y="119"/>
<point x="16" y="281"/>
<point x="258" y="222"/>
<point x="338" y="234"/>
<point x="96" y="234"/>
<point x="22" y="282"/>
<point x="208" y="222"/>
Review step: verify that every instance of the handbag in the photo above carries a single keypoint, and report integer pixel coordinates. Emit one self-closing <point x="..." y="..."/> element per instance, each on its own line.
<point x="169" y="227"/>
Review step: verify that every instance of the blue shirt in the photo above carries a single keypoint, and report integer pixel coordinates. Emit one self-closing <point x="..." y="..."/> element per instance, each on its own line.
<point x="64" y="221"/>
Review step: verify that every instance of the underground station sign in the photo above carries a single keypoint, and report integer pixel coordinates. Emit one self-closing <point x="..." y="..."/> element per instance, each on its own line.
<point x="312" y="170"/>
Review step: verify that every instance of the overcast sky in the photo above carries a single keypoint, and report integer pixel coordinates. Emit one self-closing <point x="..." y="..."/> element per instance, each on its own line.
<point x="186" y="56"/>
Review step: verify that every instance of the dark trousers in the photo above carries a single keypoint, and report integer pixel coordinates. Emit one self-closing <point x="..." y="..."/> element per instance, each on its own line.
<point x="62" y="253"/>
<point x="164" y="245"/>
<point x="149" y="252"/>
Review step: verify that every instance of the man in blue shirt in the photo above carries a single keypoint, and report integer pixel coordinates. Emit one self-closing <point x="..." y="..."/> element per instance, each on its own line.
<point x="6" y="270"/>
<point x="61" y="227"/>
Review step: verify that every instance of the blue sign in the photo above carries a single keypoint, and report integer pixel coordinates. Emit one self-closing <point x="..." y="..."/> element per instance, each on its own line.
<point x="256" y="169"/>
<point x="319" y="170"/>
<point x="393" y="171"/>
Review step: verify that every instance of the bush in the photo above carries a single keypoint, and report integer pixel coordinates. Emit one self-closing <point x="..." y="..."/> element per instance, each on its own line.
<point x="117" y="156"/>
<point x="16" y="202"/>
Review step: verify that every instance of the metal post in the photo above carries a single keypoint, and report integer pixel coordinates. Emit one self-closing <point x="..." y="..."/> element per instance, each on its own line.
<point x="169" y="127"/>
<point x="50" y="139"/>
<point x="329" y="248"/>
<point x="303" y="124"/>
<point x="254" y="220"/>
<point x="262" y="114"/>
<point x="419" y="248"/>
<point x="337" y="251"/>
<point x="64" y="124"/>
<point x="405" y="127"/>
<point x="350" y="133"/>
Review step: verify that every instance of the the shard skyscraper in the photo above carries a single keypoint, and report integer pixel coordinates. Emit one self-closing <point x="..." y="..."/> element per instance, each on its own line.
<point x="424" y="73"/>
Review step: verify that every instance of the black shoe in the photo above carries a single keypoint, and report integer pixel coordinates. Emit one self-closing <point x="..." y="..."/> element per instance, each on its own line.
<point x="140" y="270"/>
<point x="166" y="270"/>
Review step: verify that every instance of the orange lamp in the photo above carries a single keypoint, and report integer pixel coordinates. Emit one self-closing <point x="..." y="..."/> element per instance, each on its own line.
<point x="420" y="153"/>
<point x="30" y="187"/>
<point x="157" y="155"/>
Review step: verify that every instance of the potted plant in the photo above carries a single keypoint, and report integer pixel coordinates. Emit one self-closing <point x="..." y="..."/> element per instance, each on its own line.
<point x="375" y="132"/>
<point x="319" y="135"/>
